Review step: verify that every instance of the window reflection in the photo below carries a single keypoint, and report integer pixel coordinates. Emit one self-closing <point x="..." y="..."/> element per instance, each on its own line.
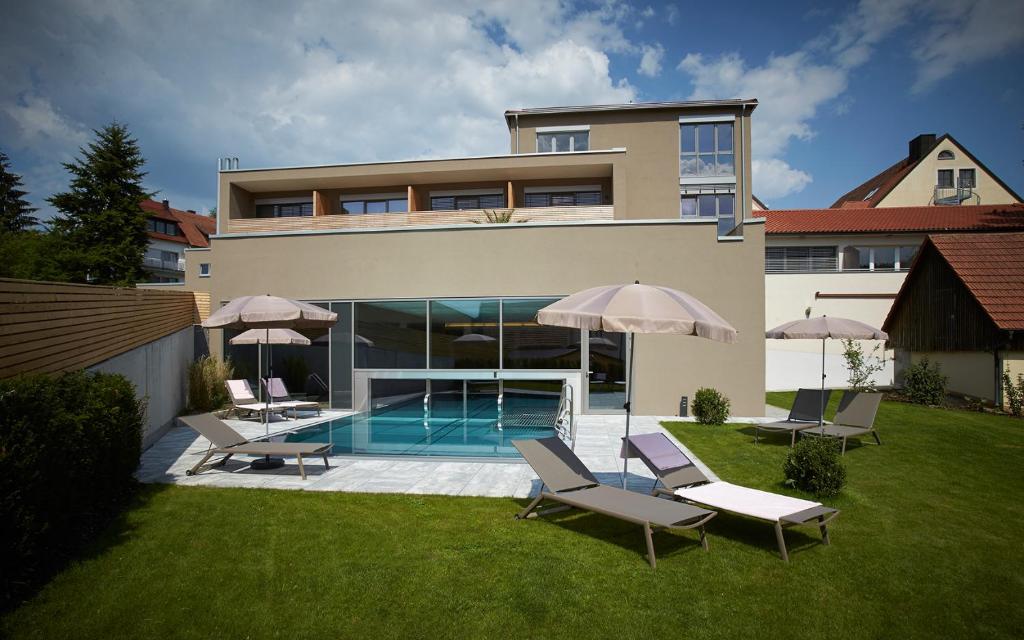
<point x="528" y="345"/>
<point x="391" y="335"/>
<point x="464" y="334"/>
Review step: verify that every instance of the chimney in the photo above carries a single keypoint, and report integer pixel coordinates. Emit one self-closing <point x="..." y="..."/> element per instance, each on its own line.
<point x="167" y="203"/>
<point x="921" y="145"/>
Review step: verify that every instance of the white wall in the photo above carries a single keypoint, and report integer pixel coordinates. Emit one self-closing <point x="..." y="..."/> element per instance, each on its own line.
<point x="159" y="371"/>
<point x="788" y="369"/>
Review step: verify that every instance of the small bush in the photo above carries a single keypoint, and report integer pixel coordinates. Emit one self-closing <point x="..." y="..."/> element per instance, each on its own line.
<point x="861" y="367"/>
<point x="69" y="446"/>
<point x="206" y="390"/>
<point x="1014" y="393"/>
<point x="814" y="466"/>
<point x="710" y="406"/>
<point x="924" y="383"/>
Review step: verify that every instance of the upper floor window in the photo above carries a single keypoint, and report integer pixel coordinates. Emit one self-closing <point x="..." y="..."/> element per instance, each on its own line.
<point x="161" y="226"/>
<point x="382" y="205"/>
<point x="580" y="198"/>
<point x="878" y="258"/>
<point x="944" y="178"/>
<point x="966" y="179"/>
<point x="799" y="259"/>
<point x="460" y="202"/>
<point x="562" y="139"/>
<point x="204" y="269"/>
<point x="946" y="154"/>
<point x="284" y="209"/>
<point x="710" y="205"/>
<point x="706" y="149"/>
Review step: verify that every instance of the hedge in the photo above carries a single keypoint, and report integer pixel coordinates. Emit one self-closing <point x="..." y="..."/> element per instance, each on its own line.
<point x="69" y="446"/>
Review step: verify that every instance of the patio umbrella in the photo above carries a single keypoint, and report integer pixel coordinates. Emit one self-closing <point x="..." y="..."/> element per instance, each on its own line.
<point x="270" y="337"/>
<point x="637" y="308"/>
<point x="821" y="329"/>
<point x="270" y="312"/>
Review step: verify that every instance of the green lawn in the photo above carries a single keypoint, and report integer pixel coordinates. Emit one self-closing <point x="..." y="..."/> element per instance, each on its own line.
<point x="929" y="545"/>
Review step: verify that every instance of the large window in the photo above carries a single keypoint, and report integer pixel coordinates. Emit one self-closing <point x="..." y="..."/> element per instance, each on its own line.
<point x="710" y="205"/>
<point x="799" y="259"/>
<point x="161" y="226"/>
<point x="706" y="149"/>
<point x="878" y="258"/>
<point x="460" y="202"/>
<point x="555" y="141"/>
<point x="341" y="356"/>
<point x="563" y="199"/>
<point x="284" y="210"/>
<point x="528" y="345"/>
<point x="464" y="334"/>
<point x="391" y="335"/>
<point x="381" y="205"/>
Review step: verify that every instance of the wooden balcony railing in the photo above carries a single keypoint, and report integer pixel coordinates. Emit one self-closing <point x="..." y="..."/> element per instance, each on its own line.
<point x="415" y="219"/>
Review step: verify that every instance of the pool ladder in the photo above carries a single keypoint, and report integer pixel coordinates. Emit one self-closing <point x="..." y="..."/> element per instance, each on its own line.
<point x="501" y="403"/>
<point x="426" y="412"/>
<point x="565" y="423"/>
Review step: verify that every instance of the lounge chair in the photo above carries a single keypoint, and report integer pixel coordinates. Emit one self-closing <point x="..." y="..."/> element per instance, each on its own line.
<point x="566" y="480"/>
<point x="242" y="399"/>
<point x="855" y="418"/>
<point x="805" y="413"/>
<point x="682" y="480"/>
<point x="224" y="439"/>
<point x="279" y="396"/>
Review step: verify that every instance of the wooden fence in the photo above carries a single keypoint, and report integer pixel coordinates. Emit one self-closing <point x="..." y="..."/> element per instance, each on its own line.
<point x="52" y="326"/>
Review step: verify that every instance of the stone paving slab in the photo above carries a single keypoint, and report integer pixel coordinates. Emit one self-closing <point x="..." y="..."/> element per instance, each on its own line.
<point x="598" y="442"/>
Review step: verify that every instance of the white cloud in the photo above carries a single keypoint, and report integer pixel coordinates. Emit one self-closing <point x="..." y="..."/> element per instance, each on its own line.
<point x="650" y="60"/>
<point x="297" y="83"/>
<point x="774" y="178"/>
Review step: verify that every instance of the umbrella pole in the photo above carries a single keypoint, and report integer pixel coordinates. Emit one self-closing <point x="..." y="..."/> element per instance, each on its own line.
<point x="266" y="398"/>
<point x="628" y="407"/>
<point x="821" y="414"/>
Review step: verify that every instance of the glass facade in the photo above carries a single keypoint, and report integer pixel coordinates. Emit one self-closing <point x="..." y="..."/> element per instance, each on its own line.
<point x="391" y="335"/>
<point x="528" y="345"/>
<point x="341" y="356"/>
<point x="706" y="150"/>
<point x="464" y="334"/>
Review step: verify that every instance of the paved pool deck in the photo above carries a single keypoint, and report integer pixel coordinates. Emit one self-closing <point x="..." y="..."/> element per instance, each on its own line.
<point x="597" y="444"/>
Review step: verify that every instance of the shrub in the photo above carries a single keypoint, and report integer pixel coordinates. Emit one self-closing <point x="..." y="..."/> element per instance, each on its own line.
<point x="1014" y="393"/>
<point x="813" y="465"/>
<point x="710" y="406"/>
<point x="69" y="445"/>
<point x="206" y="390"/>
<point x="924" y="383"/>
<point x="861" y="367"/>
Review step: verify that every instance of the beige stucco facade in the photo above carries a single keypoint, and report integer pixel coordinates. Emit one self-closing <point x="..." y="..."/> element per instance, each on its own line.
<point x="969" y="373"/>
<point x="918" y="187"/>
<point x="530" y="260"/>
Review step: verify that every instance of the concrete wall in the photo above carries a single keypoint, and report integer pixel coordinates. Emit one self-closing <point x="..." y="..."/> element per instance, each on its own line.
<point x="971" y="373"/>
<point x="918" y="188"/>
<point x="533" y="260"/>
<point x="159" y="371"/>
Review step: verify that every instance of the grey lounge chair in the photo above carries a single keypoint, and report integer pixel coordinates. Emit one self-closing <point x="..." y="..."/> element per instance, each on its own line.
<point x="242" y="399"/>
<point x="855" y="418"/>
<point x="805" y="413"/>
<point x="280" y="397"/>
<point x="682" y="480"/>
<point x="566" y="480"/>
<point x="224" y="439"/>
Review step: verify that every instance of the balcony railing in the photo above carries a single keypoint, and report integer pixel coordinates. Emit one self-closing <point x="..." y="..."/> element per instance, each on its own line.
<point x="165" y="265"/>
<point x="955" y="196"/>
<point x="417" y="219"/>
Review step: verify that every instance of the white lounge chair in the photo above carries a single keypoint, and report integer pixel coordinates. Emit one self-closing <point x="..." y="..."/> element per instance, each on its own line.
<point x="279" y="395"/>
<point x="243" y="400"/>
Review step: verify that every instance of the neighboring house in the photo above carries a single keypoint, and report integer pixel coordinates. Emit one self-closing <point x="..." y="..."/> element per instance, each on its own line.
<point x="756" y="204"/>
<point x="433" y="298"/>
<point x="850" y="263"/>
<point x="936" y="171"/>
<point x="961" y="306"/>
<point x="170" y="232"/>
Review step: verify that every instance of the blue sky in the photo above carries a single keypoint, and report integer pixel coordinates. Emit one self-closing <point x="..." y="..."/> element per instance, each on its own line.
<point x="843" y="86"/>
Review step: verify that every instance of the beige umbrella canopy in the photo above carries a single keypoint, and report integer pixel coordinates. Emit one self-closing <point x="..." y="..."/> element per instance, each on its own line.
<point x="268" y="312"/>
<point x="637" y="308"/>
<point x="270" y="336"/>
<point x="822" y="328"/>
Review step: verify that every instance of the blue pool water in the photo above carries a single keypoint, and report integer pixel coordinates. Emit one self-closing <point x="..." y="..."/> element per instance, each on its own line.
<point x="452" y="428"/>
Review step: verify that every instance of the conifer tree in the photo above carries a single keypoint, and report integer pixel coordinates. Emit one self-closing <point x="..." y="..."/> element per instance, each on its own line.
<point x="15" y="211"/>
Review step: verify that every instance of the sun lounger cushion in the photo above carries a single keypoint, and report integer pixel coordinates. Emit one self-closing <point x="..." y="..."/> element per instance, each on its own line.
<point x="240" y="391"/>
<point x="746" y="501"/>
<point x="659" y="451"/>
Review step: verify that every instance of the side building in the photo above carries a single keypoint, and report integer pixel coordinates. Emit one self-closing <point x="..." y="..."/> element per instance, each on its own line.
<point x="170" y="232"/>
<point x="438" y="267"/>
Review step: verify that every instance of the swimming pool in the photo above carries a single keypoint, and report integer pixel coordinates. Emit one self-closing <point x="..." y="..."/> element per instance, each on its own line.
<point x="453" y="427"/>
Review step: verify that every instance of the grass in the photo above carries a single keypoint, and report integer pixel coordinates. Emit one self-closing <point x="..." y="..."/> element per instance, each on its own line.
<point x="928" y="545"/>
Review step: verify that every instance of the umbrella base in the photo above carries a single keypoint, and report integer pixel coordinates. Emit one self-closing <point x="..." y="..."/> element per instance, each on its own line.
<point x="263" y="464"/>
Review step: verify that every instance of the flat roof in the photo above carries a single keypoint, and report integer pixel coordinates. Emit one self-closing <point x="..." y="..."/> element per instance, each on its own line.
<point x="631" y="106"/>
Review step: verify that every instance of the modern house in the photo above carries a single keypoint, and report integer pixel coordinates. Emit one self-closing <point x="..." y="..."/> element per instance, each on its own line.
<point x="438" y="267"/>
<point x="170" y="232"/>
<point x="936" y="171"/>
<point x="961" y="307"/>
<point x="850" y="262"/>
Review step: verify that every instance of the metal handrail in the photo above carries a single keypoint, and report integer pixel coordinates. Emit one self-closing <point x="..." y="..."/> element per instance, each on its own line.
<point x="565" y="414"/>
<point x="501" y="401"/>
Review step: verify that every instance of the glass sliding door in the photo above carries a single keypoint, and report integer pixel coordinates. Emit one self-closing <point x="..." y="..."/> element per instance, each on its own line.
<point x="606" y="371"/>
<point x="341" y="356"/>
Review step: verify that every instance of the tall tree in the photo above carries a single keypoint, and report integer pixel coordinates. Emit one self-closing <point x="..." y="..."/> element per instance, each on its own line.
<point x="102" y="226"/>
<point x="15" y="211"/>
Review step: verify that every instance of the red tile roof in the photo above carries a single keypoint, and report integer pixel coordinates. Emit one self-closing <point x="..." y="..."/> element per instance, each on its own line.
<point x="991" y="266"/>
<point x="927" y="219"/>
<point x="195" y="228"/>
